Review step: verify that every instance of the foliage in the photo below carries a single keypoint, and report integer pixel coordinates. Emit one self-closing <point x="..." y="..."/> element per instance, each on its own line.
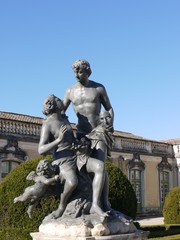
<point x="122" y="197"/>
<point x="121" y="193"/>
<point x="15" y="234"/>
<point x="158" y="231"/>
<point x="171" y="208"/>
<point x="14" y="215"/>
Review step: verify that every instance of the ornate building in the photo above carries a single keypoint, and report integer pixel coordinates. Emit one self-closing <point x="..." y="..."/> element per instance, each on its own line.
<point x="151" y="166"/>
<point x="176" y="148"/>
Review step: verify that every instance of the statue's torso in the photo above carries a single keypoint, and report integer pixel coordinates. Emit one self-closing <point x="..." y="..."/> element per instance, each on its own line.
<point x="87" y="104"/>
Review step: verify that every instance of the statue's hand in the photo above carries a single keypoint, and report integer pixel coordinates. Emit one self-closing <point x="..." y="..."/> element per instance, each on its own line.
<point x="110" y="128"/>
<point x="31" y="176"/>
<point x="56" y="177"/>
<point x="84" y="146"/>
<point x="62" y="131"/>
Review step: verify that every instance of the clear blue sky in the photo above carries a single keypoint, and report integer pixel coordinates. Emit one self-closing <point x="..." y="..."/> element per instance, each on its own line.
<point x="133" y="48"/>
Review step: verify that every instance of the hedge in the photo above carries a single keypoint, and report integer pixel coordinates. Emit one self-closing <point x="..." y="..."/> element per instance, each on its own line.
<point x="171" y="208"/>
<point x="121" y="196"/>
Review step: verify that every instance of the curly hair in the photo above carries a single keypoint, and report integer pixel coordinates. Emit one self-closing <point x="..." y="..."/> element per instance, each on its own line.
<point x="83" y="63"/>
<point x="51" y="104"/>
<point x="42" y="165"/>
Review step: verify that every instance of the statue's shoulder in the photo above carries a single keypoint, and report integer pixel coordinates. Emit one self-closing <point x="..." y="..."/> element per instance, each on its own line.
<point x="74" y="86"/>
<point x="95" y="84"/>
<point x="71" y="89"/>
<point x="47" y="121"/>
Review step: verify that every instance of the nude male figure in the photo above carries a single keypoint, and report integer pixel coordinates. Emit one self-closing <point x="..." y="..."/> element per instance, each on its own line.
<point x="87" y="98"/>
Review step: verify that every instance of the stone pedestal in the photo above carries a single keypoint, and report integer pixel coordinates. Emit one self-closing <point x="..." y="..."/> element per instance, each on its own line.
<point x="138" y="235"/>
<point x="89" y="227"/>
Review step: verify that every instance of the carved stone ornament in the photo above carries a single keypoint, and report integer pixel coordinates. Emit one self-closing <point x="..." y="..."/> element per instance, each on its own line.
<point x="136" y="162"/>
<point x="164" y="165"/>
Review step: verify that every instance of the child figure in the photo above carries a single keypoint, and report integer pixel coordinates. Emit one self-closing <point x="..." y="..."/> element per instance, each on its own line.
<point x="43" y="177"/>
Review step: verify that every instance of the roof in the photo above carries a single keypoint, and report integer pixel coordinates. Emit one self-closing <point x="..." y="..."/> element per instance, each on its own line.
<point x="133" y="136"/>
<point x="20" y="117"/>
<point x="172" y="141"/>
<point x="38" y="120"/>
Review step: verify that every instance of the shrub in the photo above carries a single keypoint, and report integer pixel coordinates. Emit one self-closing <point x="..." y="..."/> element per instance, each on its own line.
<point x="121" y="193"/>
<point x="122" y="197"/>
<point x="15" y="234"/>
<point x="13" y="185"/>
<point x="161" y="231"/>
<point x="171" y="208"/>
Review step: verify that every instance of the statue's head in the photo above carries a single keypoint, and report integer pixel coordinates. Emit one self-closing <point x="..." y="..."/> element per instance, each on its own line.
<point x="52" y="104"/>
<point x="44" y="167"/>
<point x="83" y="64"/>
<point x="106" y="120"/>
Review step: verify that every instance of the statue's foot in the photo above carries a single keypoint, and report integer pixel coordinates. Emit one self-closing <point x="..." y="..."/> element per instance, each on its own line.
<point x="29" y="212"/>
<point x="58" y="213"/>
<point x="96" y="209"/>
<point x="15" y="200"/>
<point x="107" y="207"/>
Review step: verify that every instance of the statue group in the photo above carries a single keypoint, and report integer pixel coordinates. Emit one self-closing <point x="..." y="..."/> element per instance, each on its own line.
<point x="77" y="169"/>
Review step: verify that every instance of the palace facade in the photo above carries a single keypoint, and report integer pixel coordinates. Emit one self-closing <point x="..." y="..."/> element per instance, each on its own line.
<point x="151" y="166"/>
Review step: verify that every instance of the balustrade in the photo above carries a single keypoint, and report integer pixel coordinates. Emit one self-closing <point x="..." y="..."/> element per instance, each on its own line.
<point x="19" y="128"/>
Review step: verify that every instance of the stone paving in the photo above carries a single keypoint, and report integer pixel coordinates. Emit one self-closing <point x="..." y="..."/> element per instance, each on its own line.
<point x="151" y="221"/>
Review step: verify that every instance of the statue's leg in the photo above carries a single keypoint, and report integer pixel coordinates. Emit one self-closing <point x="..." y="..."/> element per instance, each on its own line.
<point x="105" y="193"/>
<point x="97" y="167"/>
<point x="69" y="186"/>
<point x="101" y="153"/>
<point x="32" y="205"/>
<point x="23" y="197"/>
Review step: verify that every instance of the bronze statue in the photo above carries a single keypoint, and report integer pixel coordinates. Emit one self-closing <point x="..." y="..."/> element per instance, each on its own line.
<point x="77" y="168"/>
<point x="87" y="98"/>
<point x="45" y="175"/>
<point x="57" y="137"/>
<point x="64" y="155"/>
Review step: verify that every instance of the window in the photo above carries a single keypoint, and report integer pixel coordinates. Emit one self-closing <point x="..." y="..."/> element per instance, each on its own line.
<point x="164" y="185"/>
<point x="165" y="169"/>
<point x="7" y="166"/>
<point x="178" y="148"/>
<point x="135" y="179"/>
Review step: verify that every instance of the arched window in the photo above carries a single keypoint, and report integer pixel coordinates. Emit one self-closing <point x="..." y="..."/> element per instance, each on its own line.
<point x="178" y="148"/>
<point x="164" y="169"/>
<point x="136" y="176"/>
<point x="164" y="185"/>
<point x="11" y="155"/>
<point x="135" y="179"/>
<point x="7" y="166"/>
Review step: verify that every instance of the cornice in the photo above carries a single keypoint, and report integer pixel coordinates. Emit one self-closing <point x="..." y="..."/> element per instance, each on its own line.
<point x="20" y="117"/>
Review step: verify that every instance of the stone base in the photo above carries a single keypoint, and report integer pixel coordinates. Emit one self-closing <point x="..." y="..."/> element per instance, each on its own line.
<point x="87" y="226"/>
<point x="138" y="235"/>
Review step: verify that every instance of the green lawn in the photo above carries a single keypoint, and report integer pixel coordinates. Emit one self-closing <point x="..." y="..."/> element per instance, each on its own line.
<point x="172" y="237"/>
<point x="162" y="232"/>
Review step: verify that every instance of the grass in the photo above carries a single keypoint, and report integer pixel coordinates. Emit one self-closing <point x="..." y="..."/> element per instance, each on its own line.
<point x="14" y="234"/>
<point x="162" y="233"/>
<point x="172" y="237"/>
